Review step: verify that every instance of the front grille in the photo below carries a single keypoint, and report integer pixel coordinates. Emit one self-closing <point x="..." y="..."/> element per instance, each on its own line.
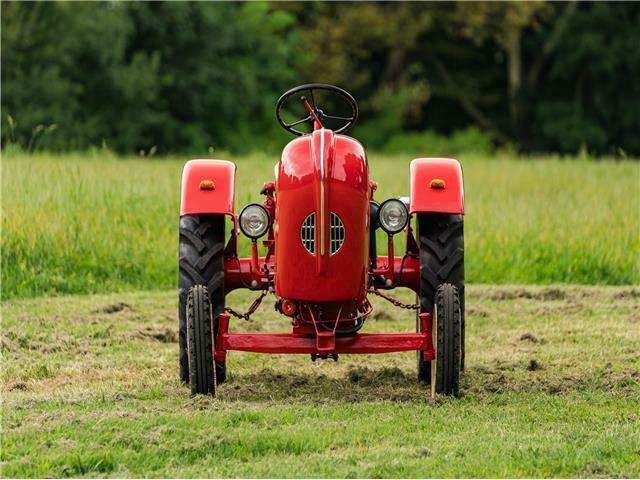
<point x="336" y="234"/>
<point x="308" y="233"/>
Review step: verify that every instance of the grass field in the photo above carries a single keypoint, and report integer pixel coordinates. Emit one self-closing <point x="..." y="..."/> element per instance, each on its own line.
<point x="552" y="389"/>
<point x="89" y="382"/>
<point x="98" y="224"/>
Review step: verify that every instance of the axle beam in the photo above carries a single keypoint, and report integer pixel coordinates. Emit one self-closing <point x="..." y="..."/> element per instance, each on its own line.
<point x="293" y="343"/>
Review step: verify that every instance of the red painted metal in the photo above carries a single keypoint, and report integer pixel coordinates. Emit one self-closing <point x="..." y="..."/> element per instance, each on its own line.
<point x="254" y="256"/>
<point x="387" y="270"/>
<point x="325" y="340"/>
<point x="218" y="200"/>
<point x="404" y="274"/>
<point x="220" y="354"/>
<point x="288" y="307"/>
<point x="426" y="199"/>
<point x="317" y="124"/>
<point x="429" y="352"/>
<point x="322" y="293"/>
<point x="324" y="344"/>
<point x="238" y="273"/>
<point x="322" y="277"/>
<point x="329" y="280"/>
<point x="292" y="343"/>
<point x="270" y="205"/>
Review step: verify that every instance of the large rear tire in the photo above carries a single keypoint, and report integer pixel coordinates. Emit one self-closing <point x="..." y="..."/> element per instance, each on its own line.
<point x="202" y="374"/>
<point x="445" y="369"/>
<point x="441" y="241"/>
<point x="201" y="262"/>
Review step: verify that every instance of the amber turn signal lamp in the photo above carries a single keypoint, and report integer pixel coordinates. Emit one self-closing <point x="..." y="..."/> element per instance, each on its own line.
<point x="437" y="183"/>
<point x="207" y="185"/>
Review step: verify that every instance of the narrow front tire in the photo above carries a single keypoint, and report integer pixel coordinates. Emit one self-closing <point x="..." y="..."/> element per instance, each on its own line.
<point x="446" y="331"/>
<point x="202" y="374"/>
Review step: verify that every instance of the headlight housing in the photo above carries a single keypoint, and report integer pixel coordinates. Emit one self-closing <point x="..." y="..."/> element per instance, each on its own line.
<point x="254" y="220"/>
<point x="393" y="216"/>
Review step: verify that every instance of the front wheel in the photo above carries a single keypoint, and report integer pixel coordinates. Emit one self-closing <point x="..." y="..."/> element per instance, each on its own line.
<point x="446" y="332"/>
<point x="201" y="262"/>
<point x="441" y="240"/>
<point x="202" y="374"/>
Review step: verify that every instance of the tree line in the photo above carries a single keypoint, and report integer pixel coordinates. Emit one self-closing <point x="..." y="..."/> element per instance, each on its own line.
<point x="191" y="76"/>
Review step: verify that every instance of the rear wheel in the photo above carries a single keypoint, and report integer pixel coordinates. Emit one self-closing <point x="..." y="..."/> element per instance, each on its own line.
<point x="446" y="332"/>
<point x="202" y="374"/>
<point x="441" y="238"/>
<point x="201" y="262"/>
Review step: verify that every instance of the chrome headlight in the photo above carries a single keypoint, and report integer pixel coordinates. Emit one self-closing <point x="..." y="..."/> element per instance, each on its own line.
<point x="393" y="216"/>
<point x="254" y="220"/>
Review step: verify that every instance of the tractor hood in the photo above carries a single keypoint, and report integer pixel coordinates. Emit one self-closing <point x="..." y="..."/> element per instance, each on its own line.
<point x="322" y="218"/>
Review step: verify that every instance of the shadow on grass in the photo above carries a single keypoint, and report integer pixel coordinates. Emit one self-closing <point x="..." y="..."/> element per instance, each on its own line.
<point x="357" y="385"/>
<point x="392" y="384"/>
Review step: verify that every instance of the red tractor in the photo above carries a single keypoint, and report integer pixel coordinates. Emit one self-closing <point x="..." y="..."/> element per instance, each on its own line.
<point x="319" y="221"/>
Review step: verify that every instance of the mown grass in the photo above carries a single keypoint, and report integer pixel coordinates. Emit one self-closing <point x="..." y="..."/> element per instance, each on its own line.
<point x="79" y="225"/>
<point x="552" y="389"/>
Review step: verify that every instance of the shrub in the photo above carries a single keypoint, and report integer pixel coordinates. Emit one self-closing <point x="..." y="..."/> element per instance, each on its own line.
<point x="429" y="143"/>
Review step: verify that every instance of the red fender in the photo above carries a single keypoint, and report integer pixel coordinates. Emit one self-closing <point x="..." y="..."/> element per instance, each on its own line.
<point x="436" y="186"/>
<point x="207" y="187"/>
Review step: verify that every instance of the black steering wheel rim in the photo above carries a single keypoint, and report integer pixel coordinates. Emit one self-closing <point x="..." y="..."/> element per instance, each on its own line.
<point x="310" y="87"/>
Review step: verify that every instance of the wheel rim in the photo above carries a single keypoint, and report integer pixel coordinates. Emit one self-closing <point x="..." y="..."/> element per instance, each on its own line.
<point x="434" y="341"/>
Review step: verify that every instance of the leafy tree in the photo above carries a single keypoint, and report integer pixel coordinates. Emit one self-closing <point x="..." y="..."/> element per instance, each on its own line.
<point x="542" y="76"/>
<point x="178" y="76"/>
<point x="589" y="98"/>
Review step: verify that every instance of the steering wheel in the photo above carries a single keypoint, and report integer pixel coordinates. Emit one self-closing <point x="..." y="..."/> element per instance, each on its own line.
<point x="315" y="113"/>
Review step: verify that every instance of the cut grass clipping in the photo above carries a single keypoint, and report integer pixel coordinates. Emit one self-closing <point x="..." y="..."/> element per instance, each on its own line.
<point x="90" y="388"/>
<point x="81" y="225"/>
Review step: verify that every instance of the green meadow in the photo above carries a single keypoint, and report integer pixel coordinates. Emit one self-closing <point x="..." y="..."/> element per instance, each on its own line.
<point x="95" y="223"/>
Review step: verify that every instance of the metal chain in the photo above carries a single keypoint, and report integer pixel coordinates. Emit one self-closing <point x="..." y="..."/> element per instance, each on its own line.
<point x="397" y="303"/>
<point x="256" y="303"/>
<point x="254" y="306"/>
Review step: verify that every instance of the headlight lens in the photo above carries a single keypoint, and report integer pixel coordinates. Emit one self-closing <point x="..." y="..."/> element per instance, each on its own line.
<point x="254" y="220"/>
<point x="393" y="216"/>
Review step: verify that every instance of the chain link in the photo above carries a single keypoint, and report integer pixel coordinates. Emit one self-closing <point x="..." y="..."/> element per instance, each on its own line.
<point x="397" y="303"/>
<point x="256" y="303"/>
<point x="254" y="306"/>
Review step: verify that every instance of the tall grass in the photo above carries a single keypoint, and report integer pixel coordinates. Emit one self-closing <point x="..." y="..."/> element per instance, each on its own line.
<point x="77" y="224"/>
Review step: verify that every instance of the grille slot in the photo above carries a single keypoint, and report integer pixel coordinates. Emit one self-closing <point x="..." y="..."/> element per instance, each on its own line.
<point x="337" y="234"/>
<point x="308" y="233"/>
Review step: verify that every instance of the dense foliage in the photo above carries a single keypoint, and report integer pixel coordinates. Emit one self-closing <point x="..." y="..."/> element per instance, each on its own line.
<point x="189" y="76"/>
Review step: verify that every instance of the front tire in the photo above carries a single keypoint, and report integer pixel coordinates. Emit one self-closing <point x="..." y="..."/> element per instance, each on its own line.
<point x="202" y="374"/>
<point x="446" y="331"/>
<point x="201" y="262"/>
<point x="441" y="239"/>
